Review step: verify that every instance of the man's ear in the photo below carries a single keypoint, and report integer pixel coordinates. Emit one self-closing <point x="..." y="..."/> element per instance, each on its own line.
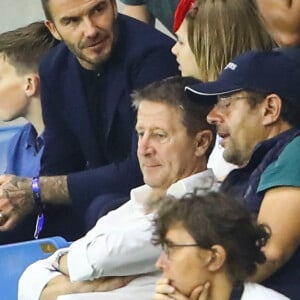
<point x="217" y="259"/>
<point x="32" y="85"/>
<point x="52" y="28"/>
<point x="203" y="140"/>
<point x="271" y="109"/>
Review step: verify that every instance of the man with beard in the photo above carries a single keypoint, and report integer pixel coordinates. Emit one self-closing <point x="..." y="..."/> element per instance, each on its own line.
<point x="90" y="143"/>
<point x="256" y="112"/>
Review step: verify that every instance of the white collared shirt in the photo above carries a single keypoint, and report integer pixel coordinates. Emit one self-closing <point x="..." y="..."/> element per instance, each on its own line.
<point x="118" y="245"/>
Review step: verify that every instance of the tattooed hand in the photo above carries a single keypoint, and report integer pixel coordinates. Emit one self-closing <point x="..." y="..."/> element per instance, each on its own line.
<point x="16" y="200"/>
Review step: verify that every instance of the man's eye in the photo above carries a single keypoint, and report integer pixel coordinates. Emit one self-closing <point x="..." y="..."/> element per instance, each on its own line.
<point x="70" y="22"/>
<point x="223" y="104"/>
<point x="140" y="134"/>
<point x="160" y="135"/>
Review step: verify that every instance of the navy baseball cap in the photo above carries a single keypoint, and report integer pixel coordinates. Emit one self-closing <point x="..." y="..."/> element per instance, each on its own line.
<point x="262" y="71"/>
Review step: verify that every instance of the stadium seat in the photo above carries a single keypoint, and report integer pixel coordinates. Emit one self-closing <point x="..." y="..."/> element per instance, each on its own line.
<point x="14" y="259"/>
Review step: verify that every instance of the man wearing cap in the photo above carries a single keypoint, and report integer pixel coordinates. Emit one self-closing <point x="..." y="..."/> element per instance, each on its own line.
<point x="257" y="113"/>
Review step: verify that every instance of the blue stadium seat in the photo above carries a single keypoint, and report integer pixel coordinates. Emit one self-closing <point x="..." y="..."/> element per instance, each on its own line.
<point x="14" y="259"/>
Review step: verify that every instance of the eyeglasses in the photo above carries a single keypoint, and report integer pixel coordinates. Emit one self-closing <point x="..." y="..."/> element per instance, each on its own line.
<point x="168" y="247"/>
<point x="224" y="102"/>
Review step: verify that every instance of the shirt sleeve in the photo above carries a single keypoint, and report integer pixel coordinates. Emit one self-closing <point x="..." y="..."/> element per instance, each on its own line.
<point x="35" y="278"/>
<point x="119" y="245"/>
<point x="285" y="171"/>
<point x="142" y="288"/>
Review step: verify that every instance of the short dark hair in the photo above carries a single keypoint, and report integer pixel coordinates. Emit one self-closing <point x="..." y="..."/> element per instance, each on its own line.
<point x="46" y="9"/>
<point x="290" y="110"/>
<point x="213" y="218"/>
<point x="171" y="92"/>
<point x="25" y="46"/>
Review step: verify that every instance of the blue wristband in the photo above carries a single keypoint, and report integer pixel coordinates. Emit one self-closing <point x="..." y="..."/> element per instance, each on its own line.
<point x="35" y="185"/>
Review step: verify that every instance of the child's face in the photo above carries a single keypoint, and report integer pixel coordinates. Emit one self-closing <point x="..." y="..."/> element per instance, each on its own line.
<point x="185" y="57"/>
<point x="13" y="99"/>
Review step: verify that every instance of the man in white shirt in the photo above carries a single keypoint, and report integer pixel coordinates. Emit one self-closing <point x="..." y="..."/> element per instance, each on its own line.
<point x="174" y="144"/>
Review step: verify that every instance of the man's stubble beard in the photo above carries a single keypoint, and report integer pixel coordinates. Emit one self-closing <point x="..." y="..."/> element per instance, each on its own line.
<point x="79" y="54"/>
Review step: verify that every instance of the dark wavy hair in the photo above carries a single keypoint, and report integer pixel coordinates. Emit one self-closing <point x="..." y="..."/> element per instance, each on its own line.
<point x="213" y="218"/>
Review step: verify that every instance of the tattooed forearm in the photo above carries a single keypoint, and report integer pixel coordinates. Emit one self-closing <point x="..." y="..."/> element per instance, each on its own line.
<point x="16" y="197"/>
<point x="54" y="189"/>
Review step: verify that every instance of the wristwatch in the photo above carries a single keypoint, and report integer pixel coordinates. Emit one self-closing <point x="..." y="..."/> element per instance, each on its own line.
<point x="56" y="262"/>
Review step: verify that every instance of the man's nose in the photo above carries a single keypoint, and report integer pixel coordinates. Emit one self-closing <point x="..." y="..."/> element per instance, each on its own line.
<point x="90" y="29"/>
<point x="144" y="146"/>
<point x="214" y="116"/>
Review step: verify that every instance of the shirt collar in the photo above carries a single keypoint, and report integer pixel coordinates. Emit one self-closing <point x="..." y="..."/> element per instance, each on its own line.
<point x="205" y="180"/>
<point x="33" y="140"/>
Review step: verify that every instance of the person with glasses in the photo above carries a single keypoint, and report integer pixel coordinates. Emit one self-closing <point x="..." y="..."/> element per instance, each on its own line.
<point x="256" y="113"/>
<point x="210" y="247"/>
<point x="174" y="143"/>
<point x="209" y="34"/>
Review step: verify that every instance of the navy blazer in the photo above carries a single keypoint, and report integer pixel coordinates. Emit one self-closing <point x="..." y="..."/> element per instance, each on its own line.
<point x="141" y="55"/>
